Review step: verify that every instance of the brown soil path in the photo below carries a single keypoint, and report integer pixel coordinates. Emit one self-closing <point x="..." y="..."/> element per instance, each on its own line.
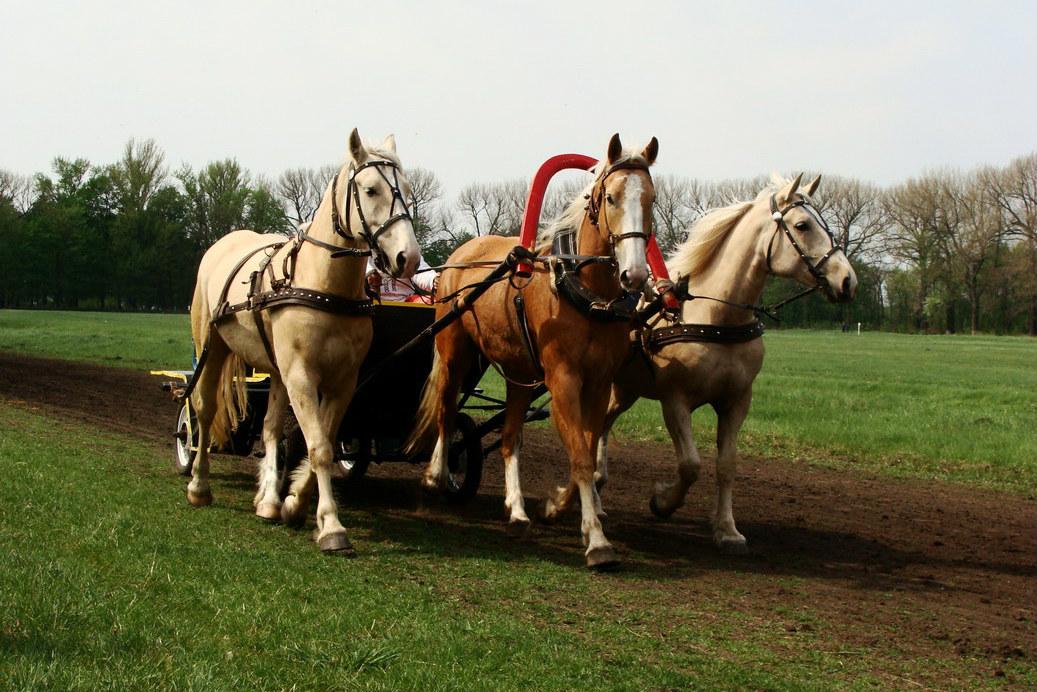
<point x="921" y="568"/>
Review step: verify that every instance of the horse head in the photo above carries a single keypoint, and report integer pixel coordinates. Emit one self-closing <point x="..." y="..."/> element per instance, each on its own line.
<point x="621" y="207"/>
<point x="802" y="247"/>
<point x="374" y="206"/>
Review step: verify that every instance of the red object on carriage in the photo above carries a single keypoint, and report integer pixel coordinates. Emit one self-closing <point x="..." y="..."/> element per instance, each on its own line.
<point x="366" y="436"/>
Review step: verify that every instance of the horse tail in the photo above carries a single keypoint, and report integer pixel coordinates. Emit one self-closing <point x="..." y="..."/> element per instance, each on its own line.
<point x="201" y="318"/>
<point x="424" y="433"/>
<point x="231" y="399"/>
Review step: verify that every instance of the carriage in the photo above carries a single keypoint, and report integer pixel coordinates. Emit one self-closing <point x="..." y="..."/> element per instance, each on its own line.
<point x="381" y="414"/>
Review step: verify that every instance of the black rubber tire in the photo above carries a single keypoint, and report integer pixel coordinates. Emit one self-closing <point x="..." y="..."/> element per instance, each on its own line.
<point x="464" y="463"/>
<point x="355" y="466"/>
<point x="185" y="443"/>
<point x="293" y="450"/>
<point x="290" y="451"/>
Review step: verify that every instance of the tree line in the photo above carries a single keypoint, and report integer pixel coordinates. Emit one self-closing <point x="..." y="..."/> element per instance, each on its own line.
<point x="945" y="251"/>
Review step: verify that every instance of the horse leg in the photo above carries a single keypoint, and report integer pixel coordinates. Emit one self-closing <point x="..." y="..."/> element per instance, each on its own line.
<point x="570" y="420"/>
<point x="319" y="424"/>
<point x="517" y="399"/>
<point x="619" y="401"/>
<point x="669" y="496"/>
<point x="454" y="352"/>
<point x="267" y="501"/>
<point x="203" y="400"/>
<point x="729" y="423"/>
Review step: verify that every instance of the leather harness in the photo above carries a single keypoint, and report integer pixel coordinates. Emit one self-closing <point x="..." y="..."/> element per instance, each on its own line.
<point x="565" y="263"/>
<point x="282" y="293"/>
<point x="652" y="339"/>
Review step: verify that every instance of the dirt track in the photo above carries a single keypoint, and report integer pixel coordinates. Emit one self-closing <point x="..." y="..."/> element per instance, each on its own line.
<point x="923" y="568"/>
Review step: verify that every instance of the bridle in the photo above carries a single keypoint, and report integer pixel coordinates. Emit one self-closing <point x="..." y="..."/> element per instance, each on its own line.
<point x="353" y="196"/>
<point x="815" y="268"/>
<point x="597" y="212"/>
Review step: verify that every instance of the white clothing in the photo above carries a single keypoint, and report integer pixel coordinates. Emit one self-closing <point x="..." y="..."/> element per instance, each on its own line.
<point x="401" y="289"/>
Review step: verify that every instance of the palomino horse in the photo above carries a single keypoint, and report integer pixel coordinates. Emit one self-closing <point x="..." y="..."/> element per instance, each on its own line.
<point x="297" y="309"/>
<point x="573" y="342"/>
<point x="714" y="355"/>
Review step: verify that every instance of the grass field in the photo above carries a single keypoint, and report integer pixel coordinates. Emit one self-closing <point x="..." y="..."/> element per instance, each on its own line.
<point x="949" y="407"/>
<point x="111" y="581"/>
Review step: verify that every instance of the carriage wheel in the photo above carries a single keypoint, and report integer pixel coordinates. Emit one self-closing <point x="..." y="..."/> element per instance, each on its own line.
<point x="185" y="445"/>
<point x="464" y="463"/>
<point x="353" y="460"/>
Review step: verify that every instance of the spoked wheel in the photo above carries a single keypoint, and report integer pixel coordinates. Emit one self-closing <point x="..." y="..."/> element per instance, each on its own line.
<point x="353" y="458"/>
<point x="185" y="446"/>
<point x="464" y="463"/>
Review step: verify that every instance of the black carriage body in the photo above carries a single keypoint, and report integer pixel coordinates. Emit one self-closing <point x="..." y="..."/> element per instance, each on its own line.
<point x="386" y="406"/>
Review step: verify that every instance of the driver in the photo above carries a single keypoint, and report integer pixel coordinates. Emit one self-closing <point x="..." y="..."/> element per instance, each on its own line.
<point x="418" y="288"/>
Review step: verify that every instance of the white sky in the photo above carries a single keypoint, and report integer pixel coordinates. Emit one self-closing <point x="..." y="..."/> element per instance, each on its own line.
<point x="484" y="91"/>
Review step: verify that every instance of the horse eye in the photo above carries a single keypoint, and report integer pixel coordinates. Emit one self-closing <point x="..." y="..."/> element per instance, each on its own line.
<point x="608" y="198"/>
<point x="370" y="191"/>
<point x="802" y="226"/>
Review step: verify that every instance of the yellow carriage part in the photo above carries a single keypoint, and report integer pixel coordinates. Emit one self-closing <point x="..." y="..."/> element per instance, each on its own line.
<point x="184" y="375"/>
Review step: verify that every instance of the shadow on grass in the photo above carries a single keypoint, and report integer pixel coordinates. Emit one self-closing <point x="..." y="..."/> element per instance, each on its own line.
<point x="396" y="511"/>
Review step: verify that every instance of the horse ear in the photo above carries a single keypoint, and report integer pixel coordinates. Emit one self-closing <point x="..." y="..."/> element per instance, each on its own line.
<point x="812" y="187"/>
<point x="792" y="187"/>
<point x="356" y="147"/>
<point x="615" y="148"/>
<point x="651" y="151"/>
<point x="390" y="143"/>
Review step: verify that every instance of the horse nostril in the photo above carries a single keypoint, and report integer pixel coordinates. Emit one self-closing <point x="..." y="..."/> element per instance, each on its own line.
<point x="846" y="287"/>
<point x="401" y="263"/>
<point x="624" y="279"/>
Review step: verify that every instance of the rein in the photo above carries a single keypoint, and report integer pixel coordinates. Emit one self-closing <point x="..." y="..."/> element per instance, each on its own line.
<point x="656" y="338"/>
<point x="282" y="293"/>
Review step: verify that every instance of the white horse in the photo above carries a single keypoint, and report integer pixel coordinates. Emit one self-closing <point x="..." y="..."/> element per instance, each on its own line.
<point x="715" y="354"/>
<point x="296" y="308"/>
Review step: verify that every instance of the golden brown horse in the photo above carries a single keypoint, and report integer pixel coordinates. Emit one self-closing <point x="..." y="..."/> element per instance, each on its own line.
<point x="311" y="341"/>
<point x="574" y="353"/>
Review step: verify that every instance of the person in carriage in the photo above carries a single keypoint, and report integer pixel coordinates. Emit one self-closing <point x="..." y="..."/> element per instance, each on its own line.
<point x="417" y="289"/>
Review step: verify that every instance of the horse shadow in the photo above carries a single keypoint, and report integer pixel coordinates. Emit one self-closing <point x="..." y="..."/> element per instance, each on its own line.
<point x="396" y="512"/>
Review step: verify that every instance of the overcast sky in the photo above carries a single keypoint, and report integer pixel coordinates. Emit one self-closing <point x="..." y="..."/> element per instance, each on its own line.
<point x="484" y="91"/>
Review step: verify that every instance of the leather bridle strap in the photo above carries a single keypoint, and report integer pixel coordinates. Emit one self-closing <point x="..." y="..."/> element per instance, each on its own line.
<point x="597" y="211"/>
<point x="335" y="250"/>
<point x="353" y="196"/>
<point x="780" y="225"/>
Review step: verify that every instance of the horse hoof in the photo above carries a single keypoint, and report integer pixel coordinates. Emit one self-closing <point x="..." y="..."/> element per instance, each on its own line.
<point x="658" y="511"/>
<point x="294" y="518"/>
<point x="200" y="499"/>
<point x="603" y="559"/>
<point x="268" y="511"/>
<point x="550" y="514"/>
<point x="518" y="528"/>
<point x="336" y="544"/>
<point x="431" y="485"/>
<point x="733" y="546"/>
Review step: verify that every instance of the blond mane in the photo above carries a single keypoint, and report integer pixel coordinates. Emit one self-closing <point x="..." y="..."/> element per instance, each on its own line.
<point x="707" y="235"/>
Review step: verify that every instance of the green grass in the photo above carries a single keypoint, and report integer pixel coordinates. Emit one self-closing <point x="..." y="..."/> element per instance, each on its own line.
<point x="129" y="340"/>
<point x="110" y="581"/>
<point x="956" y="408"/>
